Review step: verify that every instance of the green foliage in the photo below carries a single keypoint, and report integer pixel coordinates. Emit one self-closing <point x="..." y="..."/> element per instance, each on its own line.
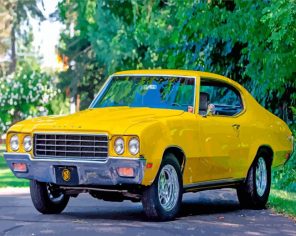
<point x="283" y="194"/>
<point x="284" y="177"/>
<point x="283" y="180"/>
<point x="250" y="41"/>
<point x="26" y="93"/>
<point x="59" y="104"/>
<point x="114" y="35"/>
<point x="283" y="201"/>
<point x="25" y="90"/>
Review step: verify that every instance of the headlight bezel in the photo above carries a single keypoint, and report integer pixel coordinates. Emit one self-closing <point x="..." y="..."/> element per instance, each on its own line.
<point x="137" y="143"/>
<point x="24" y="144"/>
<point x="14" y="136"/>
<point x="116" y="144"/>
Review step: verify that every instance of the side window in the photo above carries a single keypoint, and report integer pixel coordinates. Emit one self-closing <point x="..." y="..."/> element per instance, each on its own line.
<point x="219" y="98"/>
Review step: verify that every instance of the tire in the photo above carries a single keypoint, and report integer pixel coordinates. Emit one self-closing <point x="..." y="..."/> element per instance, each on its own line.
<point x="251" y="194"/>
<point x="155" y="198"/>
<point x="45" y="200"/>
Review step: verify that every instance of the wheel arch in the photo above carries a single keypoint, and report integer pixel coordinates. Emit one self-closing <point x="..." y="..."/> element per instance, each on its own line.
<point x="178" y="153"/>
<point x="269" y="151"/>
<point x="254" y="152"/>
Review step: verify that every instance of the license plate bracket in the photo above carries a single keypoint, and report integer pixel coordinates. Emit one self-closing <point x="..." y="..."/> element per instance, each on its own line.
<point x="66" y="175"/>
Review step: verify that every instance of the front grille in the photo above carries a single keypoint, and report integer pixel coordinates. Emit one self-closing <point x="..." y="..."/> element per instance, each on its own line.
<point x="78" y="146"/>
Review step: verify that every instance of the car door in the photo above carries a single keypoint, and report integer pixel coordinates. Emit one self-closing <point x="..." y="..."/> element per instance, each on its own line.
<point x="219" y="128"/>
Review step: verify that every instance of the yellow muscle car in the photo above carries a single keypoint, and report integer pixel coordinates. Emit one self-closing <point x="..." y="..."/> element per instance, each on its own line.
<point x="150" y="136"/>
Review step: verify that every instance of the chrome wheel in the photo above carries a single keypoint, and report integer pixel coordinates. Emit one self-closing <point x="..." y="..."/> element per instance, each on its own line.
<point x="54" y="195"/>
<point x="168" y="187"/>
<point x="261" y="176"/>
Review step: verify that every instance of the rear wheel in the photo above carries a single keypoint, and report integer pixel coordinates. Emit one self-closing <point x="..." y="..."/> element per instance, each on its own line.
<point x="162" y="200"/>
<point x="254" y="192"/>
<point x="46" y="199"/>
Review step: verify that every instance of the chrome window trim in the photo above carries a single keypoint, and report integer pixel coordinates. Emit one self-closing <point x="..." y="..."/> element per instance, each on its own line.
<point x="239" y="91"/>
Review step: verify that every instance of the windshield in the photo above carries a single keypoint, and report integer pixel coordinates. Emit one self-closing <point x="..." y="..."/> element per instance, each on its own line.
<point x="164" y="92"/>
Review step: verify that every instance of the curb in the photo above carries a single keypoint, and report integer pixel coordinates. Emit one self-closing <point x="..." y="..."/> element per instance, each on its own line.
<point x="14" y="191"/>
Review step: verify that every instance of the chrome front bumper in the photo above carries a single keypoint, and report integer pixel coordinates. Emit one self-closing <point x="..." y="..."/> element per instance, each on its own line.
<point x="89" y="172"/>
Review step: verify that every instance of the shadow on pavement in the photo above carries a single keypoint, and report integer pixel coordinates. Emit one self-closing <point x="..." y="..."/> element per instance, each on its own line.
<point x="193" y="206"/>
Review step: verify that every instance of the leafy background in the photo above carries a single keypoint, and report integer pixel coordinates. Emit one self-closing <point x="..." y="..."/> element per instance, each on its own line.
<point x="252" y="42"/>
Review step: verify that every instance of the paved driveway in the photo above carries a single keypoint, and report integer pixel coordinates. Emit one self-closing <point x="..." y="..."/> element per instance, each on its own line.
<point x="206" y="213"/>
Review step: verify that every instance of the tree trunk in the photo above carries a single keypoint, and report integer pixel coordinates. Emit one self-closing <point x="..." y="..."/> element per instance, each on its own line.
<point x="12" y="65"/>
<point x="77" y="103"/>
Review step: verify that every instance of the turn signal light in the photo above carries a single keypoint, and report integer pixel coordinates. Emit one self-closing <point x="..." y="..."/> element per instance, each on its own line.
<point x="126" y="171"/>
<point x="149" y="165"/>
<point x="19" y="167"/>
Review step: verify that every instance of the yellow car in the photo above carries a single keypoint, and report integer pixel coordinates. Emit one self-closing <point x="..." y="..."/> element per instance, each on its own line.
<point x="150" y="136"/>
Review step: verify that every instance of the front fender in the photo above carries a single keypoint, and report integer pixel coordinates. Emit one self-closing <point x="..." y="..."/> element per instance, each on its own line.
<point x="154" y="139"/>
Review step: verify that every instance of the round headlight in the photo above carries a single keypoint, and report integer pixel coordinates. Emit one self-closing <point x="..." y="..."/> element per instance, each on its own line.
<point x="14" y="142"/>
<point x="119" y="146"/>
<point x="28" y="143"/>
<point x="134" y="146"/>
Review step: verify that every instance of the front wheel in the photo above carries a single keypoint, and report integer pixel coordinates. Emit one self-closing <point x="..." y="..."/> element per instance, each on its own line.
<point x="162" y="200"/>
<point x="254" y="192"/>
<point x="46" y="199"/>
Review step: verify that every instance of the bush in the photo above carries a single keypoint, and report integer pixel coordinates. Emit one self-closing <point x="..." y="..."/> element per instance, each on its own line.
<point x="26" y="93"/>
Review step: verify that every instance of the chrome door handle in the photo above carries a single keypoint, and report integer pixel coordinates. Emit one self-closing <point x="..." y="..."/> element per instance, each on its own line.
<point x="236" y="126"/>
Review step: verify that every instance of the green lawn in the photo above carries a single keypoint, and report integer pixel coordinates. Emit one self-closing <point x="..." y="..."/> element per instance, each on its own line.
<point x="283" y="202"/>
<point x="7" y="179"/>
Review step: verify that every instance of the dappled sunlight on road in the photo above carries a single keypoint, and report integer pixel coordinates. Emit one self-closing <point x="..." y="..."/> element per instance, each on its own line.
<point x="209" y="212"/>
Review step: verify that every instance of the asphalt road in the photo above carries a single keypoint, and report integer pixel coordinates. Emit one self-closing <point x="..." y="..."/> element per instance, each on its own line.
<point x="206" y="213"/>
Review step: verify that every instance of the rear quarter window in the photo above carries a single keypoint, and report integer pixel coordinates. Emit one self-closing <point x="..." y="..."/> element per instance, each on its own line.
<point x="226" y="99"/>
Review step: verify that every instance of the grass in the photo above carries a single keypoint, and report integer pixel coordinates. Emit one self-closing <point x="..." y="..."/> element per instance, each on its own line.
<point x="283" y="191"/>
<point x="283" y="202"/>
<point x="7" y="178"/>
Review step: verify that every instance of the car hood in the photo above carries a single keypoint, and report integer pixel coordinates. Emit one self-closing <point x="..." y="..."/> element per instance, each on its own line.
<point x="115" y="120"/>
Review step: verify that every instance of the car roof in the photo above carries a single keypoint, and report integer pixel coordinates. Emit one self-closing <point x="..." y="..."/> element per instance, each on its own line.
<point x="176" y="72"/>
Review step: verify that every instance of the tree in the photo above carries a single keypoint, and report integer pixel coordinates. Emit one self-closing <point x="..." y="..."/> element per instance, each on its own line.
<point x="16" y="13"/>
<point x="251" y="42"/>
<point x="25" y="90"/>
<point x="105" y="36"/>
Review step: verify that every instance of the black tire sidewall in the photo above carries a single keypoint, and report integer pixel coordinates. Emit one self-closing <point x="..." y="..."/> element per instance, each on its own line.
<point x="42" y="201"/>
